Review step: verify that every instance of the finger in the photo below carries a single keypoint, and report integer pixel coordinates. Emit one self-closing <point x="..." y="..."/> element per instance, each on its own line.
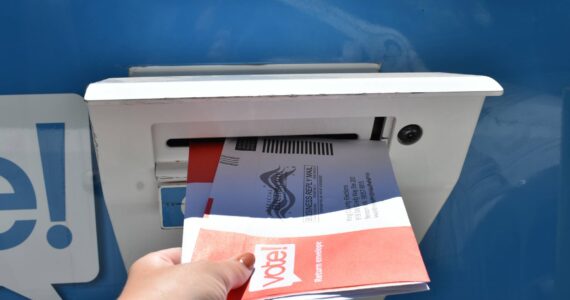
<point x="170" y="256"/>
<point x="158" y="259"/>
<point x="235" y="272"/>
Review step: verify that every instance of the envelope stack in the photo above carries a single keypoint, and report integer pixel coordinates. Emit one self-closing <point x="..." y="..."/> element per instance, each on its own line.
<point x="323" y="217"/>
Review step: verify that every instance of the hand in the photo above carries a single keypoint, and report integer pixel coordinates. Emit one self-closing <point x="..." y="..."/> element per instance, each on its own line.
<point x="160" y="275"/>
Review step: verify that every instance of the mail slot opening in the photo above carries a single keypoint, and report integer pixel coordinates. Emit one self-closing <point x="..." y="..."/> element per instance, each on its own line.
<point x="171" y="140"/>
<point x="185" y="142"/>
<point x="376" y="134"/>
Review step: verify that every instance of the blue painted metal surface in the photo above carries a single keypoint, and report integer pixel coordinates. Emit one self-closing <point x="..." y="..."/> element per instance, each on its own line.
<point x="503" y="233"/>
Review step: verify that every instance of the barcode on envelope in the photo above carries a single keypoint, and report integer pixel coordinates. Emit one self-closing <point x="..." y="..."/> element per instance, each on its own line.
<point x="294" y="146"/>
<point x="229" y="160"/>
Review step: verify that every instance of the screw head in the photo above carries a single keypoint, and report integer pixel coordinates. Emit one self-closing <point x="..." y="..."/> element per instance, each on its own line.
<point x="410" y="134"/>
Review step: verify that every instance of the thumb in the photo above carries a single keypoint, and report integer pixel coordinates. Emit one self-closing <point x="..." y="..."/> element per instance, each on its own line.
<point x="236" y="271"/>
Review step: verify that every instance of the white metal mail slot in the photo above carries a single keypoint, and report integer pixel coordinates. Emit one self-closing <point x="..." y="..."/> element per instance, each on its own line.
<point x="134" y="118"/>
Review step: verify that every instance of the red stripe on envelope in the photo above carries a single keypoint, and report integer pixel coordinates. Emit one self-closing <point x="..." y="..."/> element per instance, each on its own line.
<point x="208" y="208"/>
<point x="203" y="158"/>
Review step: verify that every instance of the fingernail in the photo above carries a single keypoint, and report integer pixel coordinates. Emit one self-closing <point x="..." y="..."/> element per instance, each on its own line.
<point x="247" y="259"/>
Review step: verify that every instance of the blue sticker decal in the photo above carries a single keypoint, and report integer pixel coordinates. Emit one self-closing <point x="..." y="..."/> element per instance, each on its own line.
<point x="172" y="199"/>
<point x="22" y="197"/>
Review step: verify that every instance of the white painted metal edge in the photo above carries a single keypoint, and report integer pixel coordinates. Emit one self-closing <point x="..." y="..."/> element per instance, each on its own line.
<point x="184" y="87"/>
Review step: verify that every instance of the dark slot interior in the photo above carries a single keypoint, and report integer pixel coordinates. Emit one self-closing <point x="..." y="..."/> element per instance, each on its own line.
<point x="185" y="142"/>
<point x="377" y="128"/>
